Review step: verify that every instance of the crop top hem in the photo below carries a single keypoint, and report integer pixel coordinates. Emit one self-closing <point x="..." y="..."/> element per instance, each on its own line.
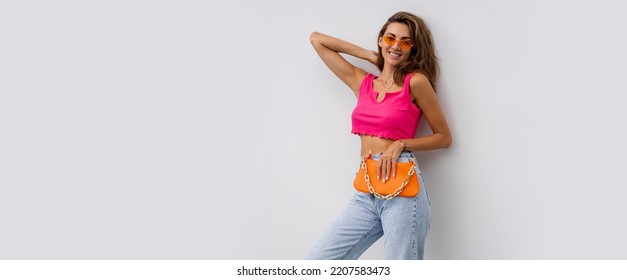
<point x="380" y="135"/>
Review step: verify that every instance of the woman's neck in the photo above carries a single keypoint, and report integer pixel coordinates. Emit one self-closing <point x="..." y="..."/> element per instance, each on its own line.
<point x="387" y="73"/>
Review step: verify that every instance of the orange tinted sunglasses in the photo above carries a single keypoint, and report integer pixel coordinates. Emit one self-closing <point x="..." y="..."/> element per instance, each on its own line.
<point x="405" y="44"/>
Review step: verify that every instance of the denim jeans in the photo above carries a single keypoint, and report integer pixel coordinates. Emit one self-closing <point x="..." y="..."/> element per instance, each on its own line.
<point x="404" y="221"/>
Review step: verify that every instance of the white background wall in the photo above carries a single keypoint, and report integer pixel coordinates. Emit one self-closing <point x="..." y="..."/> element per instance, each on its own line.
<point x="197" y="130"/>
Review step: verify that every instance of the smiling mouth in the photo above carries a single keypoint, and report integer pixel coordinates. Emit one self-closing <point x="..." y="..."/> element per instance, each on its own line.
<point x="394" y="55"/>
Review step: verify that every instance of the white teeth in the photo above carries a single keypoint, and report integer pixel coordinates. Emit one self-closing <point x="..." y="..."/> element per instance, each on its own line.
<point x="394" y="54"/>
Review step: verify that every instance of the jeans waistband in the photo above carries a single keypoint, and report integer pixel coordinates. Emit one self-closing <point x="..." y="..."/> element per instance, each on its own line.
<point x="405" y="156"/>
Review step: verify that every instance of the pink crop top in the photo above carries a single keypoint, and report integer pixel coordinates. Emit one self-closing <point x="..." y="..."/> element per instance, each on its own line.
<point x="395" y="117"/>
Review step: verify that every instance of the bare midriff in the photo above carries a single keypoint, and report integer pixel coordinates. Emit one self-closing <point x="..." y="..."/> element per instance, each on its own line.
<point x="374" y="144"/>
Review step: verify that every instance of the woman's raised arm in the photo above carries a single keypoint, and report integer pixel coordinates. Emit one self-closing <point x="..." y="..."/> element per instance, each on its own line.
<point x="329" y="49"/>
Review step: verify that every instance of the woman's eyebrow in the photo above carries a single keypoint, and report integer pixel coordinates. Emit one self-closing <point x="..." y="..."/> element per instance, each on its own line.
<point x="390" y="33"/>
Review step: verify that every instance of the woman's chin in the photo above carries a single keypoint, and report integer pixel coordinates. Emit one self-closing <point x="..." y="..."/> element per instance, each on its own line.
<point x="393" y="62"/>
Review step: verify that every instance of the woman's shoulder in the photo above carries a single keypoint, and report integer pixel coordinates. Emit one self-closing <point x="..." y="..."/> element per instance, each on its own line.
<point x="418" y="77"/>
<point x="364" y="76"/>
<point x="420" y="84"/>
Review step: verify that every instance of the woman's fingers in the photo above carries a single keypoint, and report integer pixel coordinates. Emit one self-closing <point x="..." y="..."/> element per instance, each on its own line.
<point x="373" y="57"/>
<point x="379" y="167"/>
<point x="386" y="167"/>
<point x="384" y="170"/>
<point x="386" y="164"/>
<point x="394" y="168"/>
<point x="389" y="169"/>
<point x="382" y="167"/>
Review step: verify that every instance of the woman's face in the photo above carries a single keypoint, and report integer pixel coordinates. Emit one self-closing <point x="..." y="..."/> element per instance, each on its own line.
<point x="393" y="54"/>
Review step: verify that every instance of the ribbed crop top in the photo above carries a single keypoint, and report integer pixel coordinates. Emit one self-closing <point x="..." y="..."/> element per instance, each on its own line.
<point x="395" y="117"/>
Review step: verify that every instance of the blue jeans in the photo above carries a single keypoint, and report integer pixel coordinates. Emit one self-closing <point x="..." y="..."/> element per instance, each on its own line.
<point x="404" y="221"/>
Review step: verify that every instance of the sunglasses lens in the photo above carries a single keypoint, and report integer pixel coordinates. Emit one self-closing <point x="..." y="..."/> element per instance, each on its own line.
<point x="406" y="45"/>
<point x="389" y="40"/>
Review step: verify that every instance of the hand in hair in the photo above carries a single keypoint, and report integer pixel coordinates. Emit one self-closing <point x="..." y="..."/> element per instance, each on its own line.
<point x="373" y="57"/>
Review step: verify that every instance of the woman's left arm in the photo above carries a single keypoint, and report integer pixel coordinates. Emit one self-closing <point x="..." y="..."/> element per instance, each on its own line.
<point x="428" y="103"/>
<point x="441" y="137"/>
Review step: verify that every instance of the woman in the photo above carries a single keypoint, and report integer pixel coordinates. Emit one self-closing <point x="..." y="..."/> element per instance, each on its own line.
<point x="386" y="118"/>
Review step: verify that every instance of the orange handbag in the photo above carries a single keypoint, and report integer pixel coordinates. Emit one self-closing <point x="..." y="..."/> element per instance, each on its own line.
<point x="406" y="186"/>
